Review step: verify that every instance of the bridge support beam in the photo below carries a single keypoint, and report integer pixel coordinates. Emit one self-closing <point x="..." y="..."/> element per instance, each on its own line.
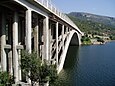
<point x="67" y="30"/>
<point x="46" y="38"/>
<point x="3" y="43"/>
<point x="19" y="61"/>
<point x="36" y="47"/>
<point x="57" y="44"/>
<point x="63" y="37"/>
<point x="10" y="62"/>
<point x="15" y="43"/>
<point x="28" y="30"/>
<point x="50" y="41"/>
<point x="10" y="57"/>
<point x="28" y="33"/>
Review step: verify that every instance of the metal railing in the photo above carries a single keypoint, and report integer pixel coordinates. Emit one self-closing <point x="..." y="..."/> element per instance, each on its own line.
<point x="48" y="5"/>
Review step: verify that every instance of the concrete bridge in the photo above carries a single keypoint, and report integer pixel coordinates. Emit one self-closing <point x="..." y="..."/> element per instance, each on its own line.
<point x="34" y="25"/>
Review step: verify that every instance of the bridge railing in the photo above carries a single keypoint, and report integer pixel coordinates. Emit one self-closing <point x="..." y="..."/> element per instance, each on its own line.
<point x="48" y="5"/>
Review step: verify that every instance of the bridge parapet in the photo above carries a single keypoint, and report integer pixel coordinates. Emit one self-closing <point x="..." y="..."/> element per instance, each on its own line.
<point x="49" y="6"/>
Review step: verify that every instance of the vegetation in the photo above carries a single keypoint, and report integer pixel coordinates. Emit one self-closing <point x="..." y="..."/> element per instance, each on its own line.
<point x="100" y="39"/>
<point x="112" y="37"/>
<point x="89" y="26"/>
<point x="36" y="70"/>
<point x="30" y="65"/>
<point x="6" y="79"/>
<point x="85" y="40"/>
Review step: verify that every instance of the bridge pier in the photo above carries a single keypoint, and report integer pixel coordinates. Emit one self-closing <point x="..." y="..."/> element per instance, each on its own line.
<point x="28" y="30"/>
<point x="46" y="38"/>
<point x="15" y="43"/>
<point x="36" y="36"/>
<point x="51" y="40"/>
<point x="3" y="42"/>
<point x="10" y="52"/>
<point x="62" y="37"/>
<point x="57" y="26"/>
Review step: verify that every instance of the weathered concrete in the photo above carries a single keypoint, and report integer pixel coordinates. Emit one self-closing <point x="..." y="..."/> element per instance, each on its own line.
<point x="15" y="43"/>
<point x="36" y="35"/>
<point x="50" y="42"/>
<point x="19" y="68"/>
<point x="28" y="33"/>
<point x="46" y="38"/>
<point x="63" y="37"/>
<point x="28" y="30"/>
<point x="63" y="55"/>
<point x="57" y="44"/>
<point x="3" y="43"/>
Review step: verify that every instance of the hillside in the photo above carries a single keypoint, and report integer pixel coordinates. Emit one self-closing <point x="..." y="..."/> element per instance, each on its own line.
<point x="95" y="18"/>
<point x="94" y="24"/>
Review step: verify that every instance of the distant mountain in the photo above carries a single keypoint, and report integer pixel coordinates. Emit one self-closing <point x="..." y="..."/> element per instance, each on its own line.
<point x="94" y="18"/>
<point x="93" y="24"/>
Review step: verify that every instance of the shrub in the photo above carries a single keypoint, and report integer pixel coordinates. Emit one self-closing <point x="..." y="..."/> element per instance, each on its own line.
<point x="5" y="79"/>
<point x="33" y="67"/>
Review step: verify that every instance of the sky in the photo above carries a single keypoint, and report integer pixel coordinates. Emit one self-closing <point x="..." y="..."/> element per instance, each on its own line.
<point x="99" y="7"/>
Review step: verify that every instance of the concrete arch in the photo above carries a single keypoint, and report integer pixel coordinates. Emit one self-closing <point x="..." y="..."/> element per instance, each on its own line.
<point x="73" y="39"/>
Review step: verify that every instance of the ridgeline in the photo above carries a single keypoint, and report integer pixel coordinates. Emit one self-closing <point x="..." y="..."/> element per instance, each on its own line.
<point x="94" y="25"/>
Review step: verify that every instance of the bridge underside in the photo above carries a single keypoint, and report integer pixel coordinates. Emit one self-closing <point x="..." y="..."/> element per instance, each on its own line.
<point x="73" y="38"/>
<point x="28" y="25"/>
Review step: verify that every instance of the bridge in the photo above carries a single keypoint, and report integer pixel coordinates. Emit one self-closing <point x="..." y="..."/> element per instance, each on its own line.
<point x="34" y="25"/>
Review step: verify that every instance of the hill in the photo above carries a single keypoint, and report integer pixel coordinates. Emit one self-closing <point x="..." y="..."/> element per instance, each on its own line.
<point x="94" y="24"/>
<point x="94" y="18"/>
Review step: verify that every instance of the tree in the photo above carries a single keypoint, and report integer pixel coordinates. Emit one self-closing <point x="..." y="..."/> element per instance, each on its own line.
<point x="48" y="73"/>
<point x="37" y="71"/>
<point x="53" y="75"/>
<point x="30" y="64"/>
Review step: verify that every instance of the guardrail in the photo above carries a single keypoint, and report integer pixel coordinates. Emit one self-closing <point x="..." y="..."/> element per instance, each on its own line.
<point x="48" y="5"/>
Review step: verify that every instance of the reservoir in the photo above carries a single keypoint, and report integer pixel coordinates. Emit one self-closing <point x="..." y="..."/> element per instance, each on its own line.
<point x="89" y="65"/>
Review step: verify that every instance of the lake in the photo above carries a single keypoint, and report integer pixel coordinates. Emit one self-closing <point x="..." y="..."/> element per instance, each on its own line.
<point x="89" y="65"/>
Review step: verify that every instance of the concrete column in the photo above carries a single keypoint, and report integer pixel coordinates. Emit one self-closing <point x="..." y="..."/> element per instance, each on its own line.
<point x="3" y="42"/>
<point x="20" y="35"/>
<point x="66" y="29"/>
<point x="57" y="44"/>
<point x="50" y="41"/>
<point x="46" y="38"/>
<point x="28" y="30"/>
<point x="28" y="33"/>
<point x="63" y="37"/>
<point x="10" y="62"/>
<point x="15" y="43"/>
<point x="36" y="47"/>
<point x="19" y="71"/>
<point x="10" y="51"/>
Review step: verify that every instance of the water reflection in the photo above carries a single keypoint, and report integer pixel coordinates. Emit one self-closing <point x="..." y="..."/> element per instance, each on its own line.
<point x="92" y="65"/>
<point x="65" y="77"/>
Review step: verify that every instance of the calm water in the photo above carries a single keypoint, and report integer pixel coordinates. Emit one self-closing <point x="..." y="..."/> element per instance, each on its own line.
<point x="92" y="65"/>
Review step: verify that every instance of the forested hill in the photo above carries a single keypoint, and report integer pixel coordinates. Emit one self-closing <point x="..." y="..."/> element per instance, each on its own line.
<point x="95" y="24"/>
<point x="95" y="18"/>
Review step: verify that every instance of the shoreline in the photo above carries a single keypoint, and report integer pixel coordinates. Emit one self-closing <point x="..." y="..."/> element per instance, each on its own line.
<point x="98" y="43"/>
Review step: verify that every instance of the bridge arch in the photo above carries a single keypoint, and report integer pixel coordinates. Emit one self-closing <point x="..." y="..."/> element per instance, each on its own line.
<point x="72" y="39"/>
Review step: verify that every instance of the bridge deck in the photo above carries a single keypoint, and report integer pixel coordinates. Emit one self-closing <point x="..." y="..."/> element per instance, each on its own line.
<point x="48" y="5"/>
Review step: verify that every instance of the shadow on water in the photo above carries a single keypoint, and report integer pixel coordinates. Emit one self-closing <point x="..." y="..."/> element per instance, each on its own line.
<point x="92" y="65"/>
<point x="71" y="57"/>
<point x="65" y="76"/>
